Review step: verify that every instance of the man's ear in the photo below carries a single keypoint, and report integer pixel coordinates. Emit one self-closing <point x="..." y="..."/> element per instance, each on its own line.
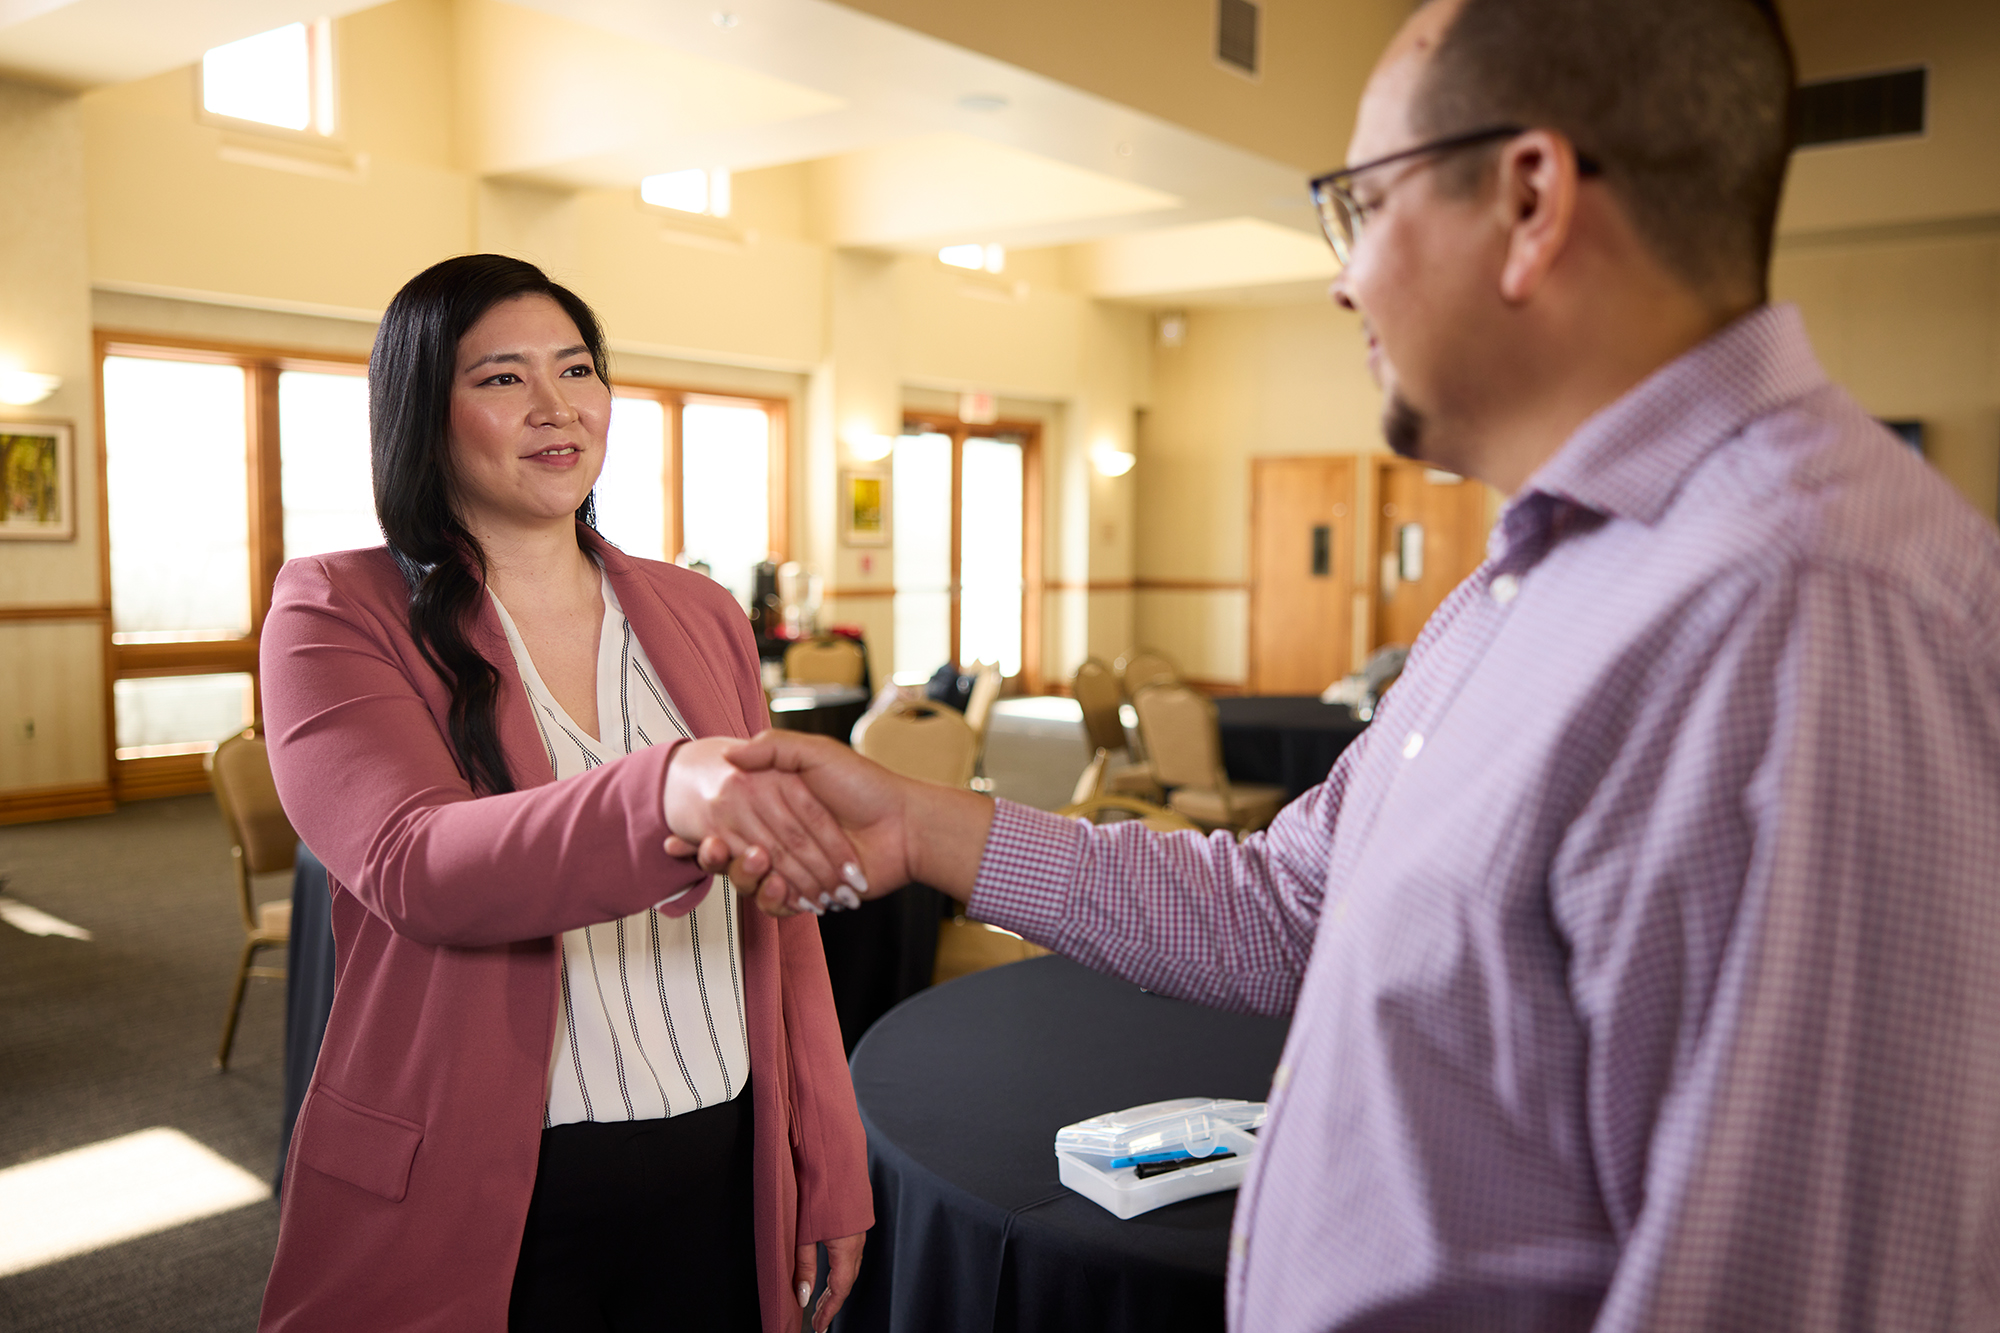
<point x="1537" y="197"/>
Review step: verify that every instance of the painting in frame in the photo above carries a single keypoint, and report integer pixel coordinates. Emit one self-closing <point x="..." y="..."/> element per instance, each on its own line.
<point x="864" y="507"/>
<point x="37" y="480"/>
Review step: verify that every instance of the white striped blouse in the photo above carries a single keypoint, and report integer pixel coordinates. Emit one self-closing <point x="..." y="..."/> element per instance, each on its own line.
<point x="652" y="1020"/>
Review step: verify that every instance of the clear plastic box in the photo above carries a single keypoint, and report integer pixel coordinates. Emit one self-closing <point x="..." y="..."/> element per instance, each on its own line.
<point x="1099" y="1157"/>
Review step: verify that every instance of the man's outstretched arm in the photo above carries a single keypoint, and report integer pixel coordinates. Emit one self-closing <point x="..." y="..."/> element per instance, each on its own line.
<point x="1205" y="918"/>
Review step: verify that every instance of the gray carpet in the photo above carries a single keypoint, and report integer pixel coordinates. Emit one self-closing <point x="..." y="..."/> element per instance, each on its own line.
<point x="102" y="1038"/>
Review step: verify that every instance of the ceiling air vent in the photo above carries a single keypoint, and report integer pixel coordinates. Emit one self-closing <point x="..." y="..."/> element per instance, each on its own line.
<point x="1236" y="34"/>
<point x="1874" y="106"/>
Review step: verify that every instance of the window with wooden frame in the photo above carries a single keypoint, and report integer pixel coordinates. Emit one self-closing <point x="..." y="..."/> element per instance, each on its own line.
<point x="966" y="524"/>
<point x="697" y="477"/>
<point x="220" y="463"/>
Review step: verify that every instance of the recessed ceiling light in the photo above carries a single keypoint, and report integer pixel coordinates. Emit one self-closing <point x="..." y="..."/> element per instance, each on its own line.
<point x="1123" y="150"/>
<point x="983" y="102"/>
<point x="722" y="18"/>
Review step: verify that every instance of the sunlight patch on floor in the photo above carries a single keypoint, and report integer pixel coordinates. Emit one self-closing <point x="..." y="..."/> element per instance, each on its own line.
<point x="85" y="1199"/>
<point x="35" y="921"/>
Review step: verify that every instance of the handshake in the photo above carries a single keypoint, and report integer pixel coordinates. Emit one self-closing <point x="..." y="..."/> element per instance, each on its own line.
<point x="804" y="824"/>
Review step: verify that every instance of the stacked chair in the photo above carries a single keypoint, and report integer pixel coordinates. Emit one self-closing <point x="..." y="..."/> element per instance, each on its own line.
<point x="261" y="842"/>
<point x="1100" y="695"/>
<point x="1093" y="803"/>
<point x="1184" y="745"/>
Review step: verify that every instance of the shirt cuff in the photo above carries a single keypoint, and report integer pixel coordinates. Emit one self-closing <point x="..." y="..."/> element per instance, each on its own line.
<point x="1032" y="861"/>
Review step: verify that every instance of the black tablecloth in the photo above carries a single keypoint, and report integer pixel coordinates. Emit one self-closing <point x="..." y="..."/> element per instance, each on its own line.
<point x="833" y="713"/>
<point x="1287" y="740"/>
<point x="962" y="1090"/>
<point x="308" y="987"/>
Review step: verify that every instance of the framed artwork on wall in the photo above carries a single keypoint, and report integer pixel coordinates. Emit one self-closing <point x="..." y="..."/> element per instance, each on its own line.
<point x="864" y="507"/>
<point x="37" y="480"/>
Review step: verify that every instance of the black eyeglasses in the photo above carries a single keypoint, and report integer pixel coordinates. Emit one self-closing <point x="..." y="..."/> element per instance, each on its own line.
<point x="1341" y="214"/>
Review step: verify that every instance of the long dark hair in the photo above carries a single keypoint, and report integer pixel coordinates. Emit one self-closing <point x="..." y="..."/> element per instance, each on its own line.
<point x="410" y="375"/>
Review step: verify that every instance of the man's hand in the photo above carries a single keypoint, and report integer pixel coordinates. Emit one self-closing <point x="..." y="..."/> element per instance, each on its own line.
<point x="774" y="835"/>
<point x="902" y="828"/>
<point x="865" y="799"/>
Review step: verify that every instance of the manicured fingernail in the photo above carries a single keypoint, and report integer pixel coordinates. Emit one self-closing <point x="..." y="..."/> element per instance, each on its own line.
<point x="825" y="898"/>
<point x="855" y="879"/>
<point x="807" y="905"/>
<point x="805" y="1294"/>
<point x="846" y="896"/>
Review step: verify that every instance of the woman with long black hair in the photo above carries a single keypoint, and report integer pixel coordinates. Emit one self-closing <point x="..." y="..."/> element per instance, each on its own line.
<point x="567" y="1083"/>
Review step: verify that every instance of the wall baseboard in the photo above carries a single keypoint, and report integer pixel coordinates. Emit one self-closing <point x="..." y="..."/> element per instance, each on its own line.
<point x="34" y="804"/>
<point x="162" y="775"/>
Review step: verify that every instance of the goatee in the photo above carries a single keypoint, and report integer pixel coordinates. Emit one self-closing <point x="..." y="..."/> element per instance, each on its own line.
<point x="1402" y="426"/>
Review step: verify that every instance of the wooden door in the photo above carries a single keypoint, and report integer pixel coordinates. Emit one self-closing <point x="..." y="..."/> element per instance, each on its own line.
<point x="1430" y="532"/>
<point x="1302" y="545"/>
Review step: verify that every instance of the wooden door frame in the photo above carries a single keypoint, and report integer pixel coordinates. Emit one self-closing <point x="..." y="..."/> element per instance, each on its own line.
<point x="938" y="423"/>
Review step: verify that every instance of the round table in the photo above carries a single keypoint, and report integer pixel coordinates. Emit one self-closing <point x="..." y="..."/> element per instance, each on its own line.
<point x="824" y="710"/>
<point x="962" y="1089"/>
<point x="1286" y="740"/>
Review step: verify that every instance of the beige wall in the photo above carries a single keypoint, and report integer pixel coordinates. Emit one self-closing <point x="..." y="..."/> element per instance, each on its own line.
<point x="1910" y="325"/>
<point x="50" y="671"/>
<point x="1248" y="382"/>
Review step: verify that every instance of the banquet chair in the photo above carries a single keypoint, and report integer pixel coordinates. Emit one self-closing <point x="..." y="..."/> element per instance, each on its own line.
<point x="922" y="740"/>
<point x="1184" y="743"/>
<point x="1157" y="817"/>
<point x="933" y="742"/>
<point x="1145" y="666"/>
<point x="986" y="682"/>
<point x="827" y="660"/>
<point x="261" y="842"/>
<point x="1099" y="695"/>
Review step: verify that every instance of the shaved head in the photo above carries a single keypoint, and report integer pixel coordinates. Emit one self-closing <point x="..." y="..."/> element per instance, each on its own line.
<point x="1686" y="104"/>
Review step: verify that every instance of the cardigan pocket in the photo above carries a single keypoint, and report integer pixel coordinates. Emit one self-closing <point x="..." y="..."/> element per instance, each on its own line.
<point x="369" y="1149"/>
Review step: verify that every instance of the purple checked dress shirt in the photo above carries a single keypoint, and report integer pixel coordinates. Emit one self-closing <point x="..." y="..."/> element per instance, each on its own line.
<point x="1643" y="957"/>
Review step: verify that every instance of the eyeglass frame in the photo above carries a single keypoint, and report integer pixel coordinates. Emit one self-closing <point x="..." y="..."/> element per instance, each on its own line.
<point x="1330" y="195"/>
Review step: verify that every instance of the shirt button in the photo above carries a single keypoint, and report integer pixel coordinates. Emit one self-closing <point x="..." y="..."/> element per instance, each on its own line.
<point x="1280" y="1078"/>
<point x="1238" y="1242"/>
<point x="1412" y="744"/>
<point x="1504" y="588"/>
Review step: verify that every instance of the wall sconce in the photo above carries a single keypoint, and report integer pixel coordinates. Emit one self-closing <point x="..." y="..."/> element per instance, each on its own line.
<point x="865" y="446"/>
<point x="24" y="388"/>
<point x="1110" y="460"/>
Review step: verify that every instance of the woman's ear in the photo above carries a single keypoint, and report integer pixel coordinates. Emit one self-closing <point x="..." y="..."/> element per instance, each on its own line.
<point x="1537" y="198"/>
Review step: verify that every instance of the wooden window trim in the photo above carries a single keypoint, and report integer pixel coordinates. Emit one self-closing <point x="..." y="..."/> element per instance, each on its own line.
<point x="168" y="775"/>
<point x="777" y="411"/>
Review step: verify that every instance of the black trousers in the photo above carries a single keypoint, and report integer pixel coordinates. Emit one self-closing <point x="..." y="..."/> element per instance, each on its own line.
<point x="642" y="1224"/>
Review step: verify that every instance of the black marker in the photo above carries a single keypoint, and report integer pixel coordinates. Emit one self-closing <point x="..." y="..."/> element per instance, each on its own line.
<point x="1147" y="1170"/>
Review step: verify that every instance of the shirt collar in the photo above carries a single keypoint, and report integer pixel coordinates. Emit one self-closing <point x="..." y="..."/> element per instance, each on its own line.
<point x="1632" y="457"/>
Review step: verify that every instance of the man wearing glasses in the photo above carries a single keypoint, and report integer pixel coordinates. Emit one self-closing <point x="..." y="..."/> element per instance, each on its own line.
<point x="1643" y="957"/>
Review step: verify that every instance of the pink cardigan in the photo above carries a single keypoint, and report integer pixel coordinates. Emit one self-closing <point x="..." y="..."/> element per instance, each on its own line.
<point x="414" y="1156"/>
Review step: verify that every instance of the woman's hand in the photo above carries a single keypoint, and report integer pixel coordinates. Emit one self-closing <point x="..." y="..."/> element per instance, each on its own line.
<point x="870" y="803"/>
<point x="843" y="1261"/>
<point x="778" y="837"/>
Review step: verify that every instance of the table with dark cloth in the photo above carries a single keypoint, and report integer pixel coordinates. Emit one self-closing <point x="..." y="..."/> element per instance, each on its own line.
<point x="823" y="710"/>
<point x="1285" y="740"/>
<point x="308" y="987"/>
<point x="962" y="1090"/>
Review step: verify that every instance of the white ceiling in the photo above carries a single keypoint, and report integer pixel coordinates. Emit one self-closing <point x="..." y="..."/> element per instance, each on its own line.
<point x="915" y="142"/>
